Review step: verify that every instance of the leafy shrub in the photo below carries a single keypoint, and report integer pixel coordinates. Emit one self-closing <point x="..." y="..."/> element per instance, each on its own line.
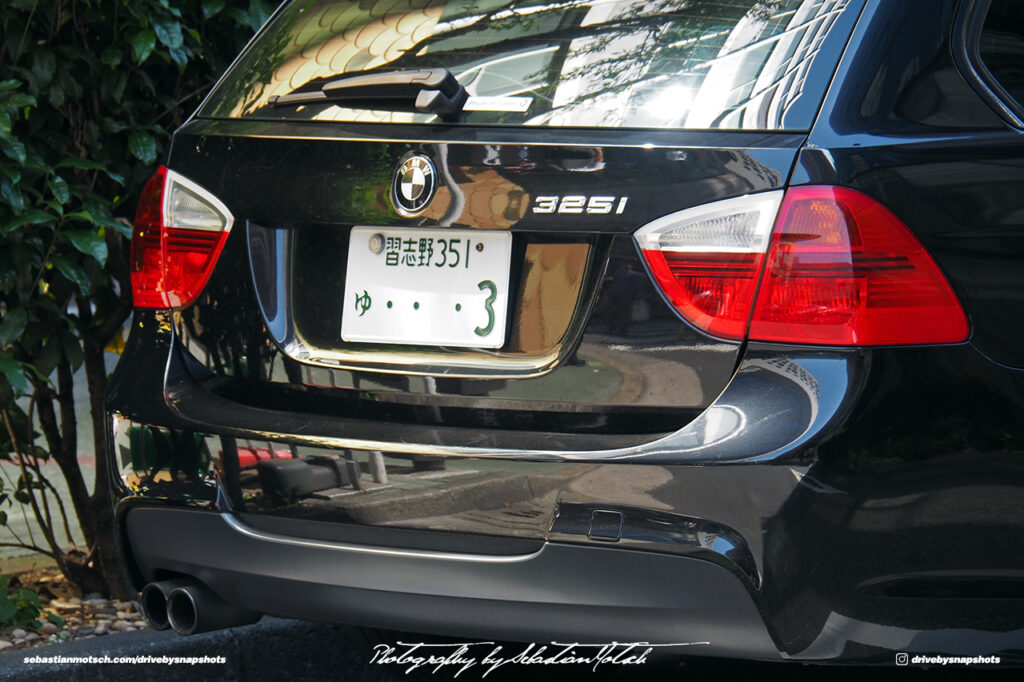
<point x="22" y="608"/>
<point x="89" y="93"/>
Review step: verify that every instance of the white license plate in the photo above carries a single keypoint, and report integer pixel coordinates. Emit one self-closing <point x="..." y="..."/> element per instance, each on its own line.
<point x="427" y="287"/>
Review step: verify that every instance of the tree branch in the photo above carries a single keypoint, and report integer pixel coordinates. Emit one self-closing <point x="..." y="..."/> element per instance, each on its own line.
<point x="34" y="548"/>
<point x="16" y="444"/>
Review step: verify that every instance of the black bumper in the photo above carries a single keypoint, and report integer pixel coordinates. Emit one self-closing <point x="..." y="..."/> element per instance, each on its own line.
<point x="859" y="503"/>
<point x="561" y="592"/>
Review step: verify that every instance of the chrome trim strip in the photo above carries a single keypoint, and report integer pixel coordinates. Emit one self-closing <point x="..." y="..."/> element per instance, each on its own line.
<point x="238" y="526"/>
<point x="739" y="427"/>
<point x="499" y="141"/>
<point x="470" y="365"/>
<point x="452" y="362"/>
<point x="656" y="138"/>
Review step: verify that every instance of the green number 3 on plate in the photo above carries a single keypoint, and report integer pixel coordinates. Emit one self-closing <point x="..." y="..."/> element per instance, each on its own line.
<point x="489" y="305"/>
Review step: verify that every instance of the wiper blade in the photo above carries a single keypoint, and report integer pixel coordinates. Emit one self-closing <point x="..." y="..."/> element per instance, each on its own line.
<point x="430" y="91"/>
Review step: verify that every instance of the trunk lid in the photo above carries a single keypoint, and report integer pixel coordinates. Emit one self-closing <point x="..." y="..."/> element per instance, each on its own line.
<point x="585" y="121"/>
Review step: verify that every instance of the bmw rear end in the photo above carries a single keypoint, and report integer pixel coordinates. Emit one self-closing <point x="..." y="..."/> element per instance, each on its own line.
<point x="553" y="321"/>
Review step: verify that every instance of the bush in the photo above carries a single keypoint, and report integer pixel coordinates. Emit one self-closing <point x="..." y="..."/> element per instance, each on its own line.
<point x="22" y="608"/>
<point x="89" y="93"/>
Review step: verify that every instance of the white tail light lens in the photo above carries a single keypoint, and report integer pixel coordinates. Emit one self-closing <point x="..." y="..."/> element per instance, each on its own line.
<point x="180" y="230"/>
<point x="707" y="259"/>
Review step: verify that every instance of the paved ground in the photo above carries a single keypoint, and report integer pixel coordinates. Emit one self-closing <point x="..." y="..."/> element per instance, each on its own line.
<point x="272" y="649"/>
<point x="275" y="649"/>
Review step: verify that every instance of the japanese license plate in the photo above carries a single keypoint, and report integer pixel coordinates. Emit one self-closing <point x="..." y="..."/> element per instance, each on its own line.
<point x="427" y="287"/>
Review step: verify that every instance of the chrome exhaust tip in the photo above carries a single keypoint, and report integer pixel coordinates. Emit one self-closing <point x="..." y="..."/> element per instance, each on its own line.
<point x="193" y="608"/>
<point x="154" y="601"/>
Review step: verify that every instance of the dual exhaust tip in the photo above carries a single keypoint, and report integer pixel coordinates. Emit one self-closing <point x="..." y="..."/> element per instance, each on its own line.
<point x="189" y="607"/>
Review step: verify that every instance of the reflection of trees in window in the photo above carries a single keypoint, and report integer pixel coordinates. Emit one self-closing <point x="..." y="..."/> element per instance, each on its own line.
<point x="238" y="96"/>
<point x="697" y="64"/>
<point x="695" y="69"/>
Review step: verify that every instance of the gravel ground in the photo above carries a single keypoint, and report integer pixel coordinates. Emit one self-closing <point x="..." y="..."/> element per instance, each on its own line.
<point x="84" y="616"/>
<point x="93" y="616"/>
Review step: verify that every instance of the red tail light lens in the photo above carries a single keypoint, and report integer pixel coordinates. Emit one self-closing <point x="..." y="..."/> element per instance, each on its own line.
<point x="840" y="269"/>
<point x="180" y="230"/>
<point x="147" y="245"/>
<point x="707" y="260"/>
<point x="843" y="270"/>
<point x="714" y="291"/>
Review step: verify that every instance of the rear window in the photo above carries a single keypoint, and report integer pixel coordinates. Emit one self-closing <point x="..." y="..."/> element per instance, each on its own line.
<point x="694" y="64"/>
<point x="1001" y="48"/>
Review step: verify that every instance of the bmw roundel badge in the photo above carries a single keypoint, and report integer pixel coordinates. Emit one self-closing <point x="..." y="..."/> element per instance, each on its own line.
<point x="413" y="185"/>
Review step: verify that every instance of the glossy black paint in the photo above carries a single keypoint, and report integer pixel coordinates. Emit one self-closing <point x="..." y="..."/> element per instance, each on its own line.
<point x="290" y="205"/>
<point x="296" y="173"/>
<point x="905" y="126"/>
<point x="870" y="500"/>
<point x="564" y="590"/>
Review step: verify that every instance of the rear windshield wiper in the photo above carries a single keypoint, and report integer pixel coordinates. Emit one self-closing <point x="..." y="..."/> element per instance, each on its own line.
<point x="430" y="91"/>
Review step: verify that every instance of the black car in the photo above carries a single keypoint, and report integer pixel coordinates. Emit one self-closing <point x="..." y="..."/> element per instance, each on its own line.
<point x="682" y="321"/>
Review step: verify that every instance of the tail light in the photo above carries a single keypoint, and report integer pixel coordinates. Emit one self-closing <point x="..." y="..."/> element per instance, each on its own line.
<point x="180" y="230"/>
<point x="707" y="259"/>
<point x="840" y="269"/>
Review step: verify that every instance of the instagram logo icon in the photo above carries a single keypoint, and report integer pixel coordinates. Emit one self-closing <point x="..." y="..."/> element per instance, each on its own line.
<point x="902" y="659"/>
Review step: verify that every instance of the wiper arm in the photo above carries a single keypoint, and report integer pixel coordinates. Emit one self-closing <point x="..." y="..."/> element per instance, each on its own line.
<point x="431" y="91"/>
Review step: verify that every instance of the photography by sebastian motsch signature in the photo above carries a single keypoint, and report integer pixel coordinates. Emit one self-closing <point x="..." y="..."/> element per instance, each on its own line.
<point x="490" y="656"/>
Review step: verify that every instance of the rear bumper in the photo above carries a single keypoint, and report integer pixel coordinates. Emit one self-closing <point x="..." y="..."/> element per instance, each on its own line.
<point x="560" y="592"/>
<point x="779" y="402"/>
<point x="830" y="505"/>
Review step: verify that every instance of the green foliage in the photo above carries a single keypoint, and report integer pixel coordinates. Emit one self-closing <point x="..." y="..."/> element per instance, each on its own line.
<point x="22" y="608"/>
<point x="90" y="91"/>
